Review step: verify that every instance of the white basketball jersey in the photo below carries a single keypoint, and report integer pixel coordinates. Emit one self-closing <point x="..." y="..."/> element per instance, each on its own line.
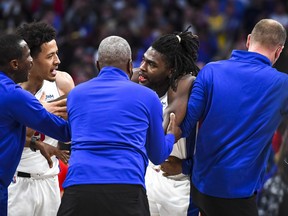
<point x="34" y="162"/>
<point x="179" y="148"/>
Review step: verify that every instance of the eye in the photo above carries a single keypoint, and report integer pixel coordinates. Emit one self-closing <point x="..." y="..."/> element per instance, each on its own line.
<point x="152" y="64"/>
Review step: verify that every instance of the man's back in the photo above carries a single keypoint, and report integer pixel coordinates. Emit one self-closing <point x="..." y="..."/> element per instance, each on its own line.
<point x="110" y="117"/>
<point x="239" y="103"/>
<point x="116" y="127"/>
<point x="244" y="94"/>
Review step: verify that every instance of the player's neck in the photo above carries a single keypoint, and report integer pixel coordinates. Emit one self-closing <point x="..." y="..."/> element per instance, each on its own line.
<point x="161" y="90"/>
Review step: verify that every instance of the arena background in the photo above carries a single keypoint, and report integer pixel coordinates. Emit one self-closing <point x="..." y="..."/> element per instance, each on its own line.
<point x="222" y="25"/>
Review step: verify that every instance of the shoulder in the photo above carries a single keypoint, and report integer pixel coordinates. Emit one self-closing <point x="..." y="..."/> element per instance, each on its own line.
<point x="139" y="91"/>
<point x="63" y="77"/>
<point x="64" y="82"/>
<point x="16" y="94"/>
<point x="211" y="69"/>
<point x="136" y="87"/>
<point x="184" y="85"/>
<point x="186" y="80"/>
<point x="283" y="77"/>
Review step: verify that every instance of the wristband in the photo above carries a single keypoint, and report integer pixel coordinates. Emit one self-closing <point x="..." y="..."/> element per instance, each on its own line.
<point x="33" y="143"/>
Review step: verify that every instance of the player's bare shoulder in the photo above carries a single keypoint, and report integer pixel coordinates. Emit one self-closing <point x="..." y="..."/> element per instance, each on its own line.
<point x="184" y="86"/>
<point x="64" y="82"/>
<point x="186" y="81"/>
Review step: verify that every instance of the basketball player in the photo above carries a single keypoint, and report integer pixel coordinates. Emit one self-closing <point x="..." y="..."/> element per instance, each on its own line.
<point x="34" y="189"/>
<point x="168" y="66"/>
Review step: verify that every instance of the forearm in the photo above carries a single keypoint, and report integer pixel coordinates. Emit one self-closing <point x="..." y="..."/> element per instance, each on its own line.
<point x="161" y="149"/>
<point x="29" y="133"/>
<point x="36" y="116"/>
<point x="48" y="150"/>
<point x="33" y="142"/>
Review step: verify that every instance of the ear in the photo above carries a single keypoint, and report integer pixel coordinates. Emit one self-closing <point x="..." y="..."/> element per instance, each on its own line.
<point x="248" y="41"/>
<point x="170" y="73"/>
<point x="14" y="64"/>
<point x="278" y="52"/>
<point x="130" y="68"/>
<point x="98" y="65"/>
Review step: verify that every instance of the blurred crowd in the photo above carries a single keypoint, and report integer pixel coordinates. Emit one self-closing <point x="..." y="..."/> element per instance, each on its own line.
<point x="221" y="25"/>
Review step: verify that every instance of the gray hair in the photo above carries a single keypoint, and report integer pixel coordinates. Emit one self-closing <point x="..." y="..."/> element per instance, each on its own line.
<point x="114" y="51"/>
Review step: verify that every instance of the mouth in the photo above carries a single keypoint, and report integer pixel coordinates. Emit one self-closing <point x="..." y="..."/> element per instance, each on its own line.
<point x="53" y="72"/>
<point x="142" y="78"/>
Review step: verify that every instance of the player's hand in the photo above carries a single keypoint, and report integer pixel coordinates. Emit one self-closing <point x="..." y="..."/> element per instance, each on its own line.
<point x="57" y="107"/>
<point x="173" y="128"/>
<point x="48" y="151"/>
<point x="172" y="166"/>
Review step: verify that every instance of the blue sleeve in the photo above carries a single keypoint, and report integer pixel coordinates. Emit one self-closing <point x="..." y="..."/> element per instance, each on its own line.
<point x="196" y="105"/>
<point x="27" y="110"/>
<point x="284" y="108"/>
<point x="158" y="145"/>
<point x="187" y="165"/>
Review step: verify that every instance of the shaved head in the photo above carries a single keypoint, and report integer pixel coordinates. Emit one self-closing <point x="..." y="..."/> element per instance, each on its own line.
<point x="114" y="51"/>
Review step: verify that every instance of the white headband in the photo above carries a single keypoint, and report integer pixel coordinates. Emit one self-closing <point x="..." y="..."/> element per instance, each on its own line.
<point x="178" y="38"/>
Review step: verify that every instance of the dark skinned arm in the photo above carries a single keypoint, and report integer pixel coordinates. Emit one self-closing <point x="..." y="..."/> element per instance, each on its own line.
<point x="177" y="103"/>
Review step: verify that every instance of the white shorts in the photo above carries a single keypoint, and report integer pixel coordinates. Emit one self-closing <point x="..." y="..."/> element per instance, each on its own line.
<point x="34" y="197"/>
<point x="167" y="197"/>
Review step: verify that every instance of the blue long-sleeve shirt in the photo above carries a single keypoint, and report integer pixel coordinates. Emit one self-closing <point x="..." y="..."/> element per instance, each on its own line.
<point x="116" y="127"/>
<point x="18" y="109"/>
<point x="187" y="164"/>
<point x="240" y="103"/>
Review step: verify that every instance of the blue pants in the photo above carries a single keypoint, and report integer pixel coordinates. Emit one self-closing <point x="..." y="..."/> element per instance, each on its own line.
<point x="3" y="200"/>
<point x="192" y="209"/>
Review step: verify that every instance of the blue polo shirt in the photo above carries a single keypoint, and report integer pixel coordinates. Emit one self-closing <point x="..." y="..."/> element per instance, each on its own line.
<point x="116" y="127"/>
<point x="240" y="103"/>
<point x="19" y="108"/>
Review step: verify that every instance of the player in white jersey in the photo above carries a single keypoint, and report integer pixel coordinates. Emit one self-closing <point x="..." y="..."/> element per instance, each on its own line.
<point x="164" y="191"/>
<point x="34" y="190"/>
<point x="167" y="66"/>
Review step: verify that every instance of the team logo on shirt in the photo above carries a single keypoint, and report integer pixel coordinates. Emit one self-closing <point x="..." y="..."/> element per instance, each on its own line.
<point x="49" y="97"/>
<point x="164" y="103"/>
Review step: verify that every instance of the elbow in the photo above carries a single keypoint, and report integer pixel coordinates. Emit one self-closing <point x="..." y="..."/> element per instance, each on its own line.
<point x="157" y="161"/>
<point x="160" y="158"/>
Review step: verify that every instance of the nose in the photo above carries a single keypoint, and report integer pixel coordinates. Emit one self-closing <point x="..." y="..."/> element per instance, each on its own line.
<point x="57" y="60"/>
<point x="142" y="66"/>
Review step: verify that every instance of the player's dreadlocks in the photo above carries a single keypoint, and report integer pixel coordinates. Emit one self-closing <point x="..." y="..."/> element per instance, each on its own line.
<point x="41" y="33"/>
<point x="181" y="53"/>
